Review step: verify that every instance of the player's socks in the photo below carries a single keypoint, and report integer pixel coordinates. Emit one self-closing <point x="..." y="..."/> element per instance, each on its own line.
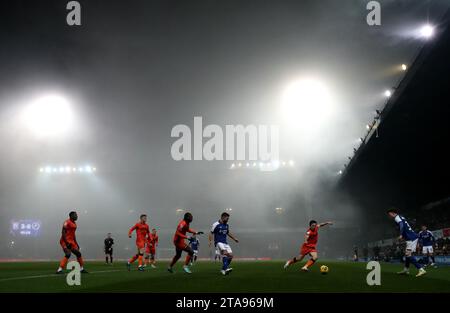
<point x="111" y="259"/>
<point x="106" y="260"/>
<point x="187" y="260"/>
<point x="407" y="261"/>
<point x="432" y="260"/>
<point x="229" y="262"/>
<point x="63" y="262"/>
<point x="413" y="260"/>
<point x="80" y="261"/>
<point x="309" y="263"/>
<point x="140" y="260"/>
<point x="225" y="263"/>
<point x="134" y="258"/>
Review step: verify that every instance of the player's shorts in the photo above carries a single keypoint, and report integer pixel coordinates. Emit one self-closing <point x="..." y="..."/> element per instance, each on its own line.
<point x="140" y="244"/>
<point x="427" y="249"/>
<point x="411" y="245"/>
<point x="109" y="251"/>
<point x="195" y="252"/>
<point x="307" y="249"/>
<point x="180" y="244"/>
<point x="224" y="247"/>
<point x="73" y="245"/>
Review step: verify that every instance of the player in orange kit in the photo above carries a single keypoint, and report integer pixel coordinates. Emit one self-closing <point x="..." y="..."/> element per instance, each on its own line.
<point x="150" y="248"/>
<point x="309" y="246"/>
<point x="142" y="232"/>
<point x="180" y="243"/>
<point x="69" y="243"/>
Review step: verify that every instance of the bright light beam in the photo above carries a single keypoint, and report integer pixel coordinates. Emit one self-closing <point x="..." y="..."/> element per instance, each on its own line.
<point x="306" y="104"/>
<point x="48" y="116"/>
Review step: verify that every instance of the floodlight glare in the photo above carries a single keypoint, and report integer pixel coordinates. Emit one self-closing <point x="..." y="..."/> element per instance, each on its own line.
<point x="427" y="31"/>
<point x="48" y="116"/>
<point x="404" y="67"/>
<point x="387" y="93"/>
<point x="306" y="103"/>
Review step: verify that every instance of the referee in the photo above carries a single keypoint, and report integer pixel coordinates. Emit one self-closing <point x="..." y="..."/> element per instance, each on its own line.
<point x="109" y="249"/>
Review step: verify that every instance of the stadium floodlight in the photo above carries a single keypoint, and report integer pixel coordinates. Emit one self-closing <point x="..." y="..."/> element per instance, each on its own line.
<point x="67" y="169"/>
<point x="404" y="67"/>
<point x="306" y="104"/>
<point x="261" y="164"/>
<point x="248" y="164"/>
<point x="387" y="93"/>
<point x="232" y="165"/>
<point x="427" y="31"/>
<point x="254" y="164"/>
<point x="291" y="162"/>
<point x="240" y="164"/>
<point x="48" y="116"/>
<point x="279" y="210"/>
<point x="340" y="172"/>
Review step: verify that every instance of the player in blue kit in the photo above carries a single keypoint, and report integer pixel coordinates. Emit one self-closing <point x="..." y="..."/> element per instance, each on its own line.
<point x="194" y="243"/>
<point x="220" y="231"/>
<point x="411" y="238"/>
<point x="426" y="239"/>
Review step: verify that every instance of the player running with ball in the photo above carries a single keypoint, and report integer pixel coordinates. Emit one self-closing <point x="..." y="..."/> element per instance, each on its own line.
<point x="309" y="246"/>
<point x="220" y="231"/>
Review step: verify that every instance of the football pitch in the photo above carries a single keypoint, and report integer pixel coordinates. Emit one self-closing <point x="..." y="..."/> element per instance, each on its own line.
<point x="247" y="276"/>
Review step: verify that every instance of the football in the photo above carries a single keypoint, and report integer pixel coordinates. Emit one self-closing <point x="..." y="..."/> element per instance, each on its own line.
<point x="324" y="269"/>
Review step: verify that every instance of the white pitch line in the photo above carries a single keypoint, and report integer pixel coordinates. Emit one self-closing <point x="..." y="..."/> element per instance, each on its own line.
<point x="51" y="275"/>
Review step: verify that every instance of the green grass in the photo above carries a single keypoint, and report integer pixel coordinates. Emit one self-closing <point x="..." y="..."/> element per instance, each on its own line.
<point x="247" y="276"/>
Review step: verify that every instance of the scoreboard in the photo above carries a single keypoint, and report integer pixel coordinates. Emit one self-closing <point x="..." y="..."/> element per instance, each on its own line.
<point x="25" y="228"/>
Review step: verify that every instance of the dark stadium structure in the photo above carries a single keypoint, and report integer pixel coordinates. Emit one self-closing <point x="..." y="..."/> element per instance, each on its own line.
<point x="405" y="159"/>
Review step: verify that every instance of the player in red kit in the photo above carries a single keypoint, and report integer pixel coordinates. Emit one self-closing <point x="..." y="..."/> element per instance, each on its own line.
<point x="150" y="249"/>
<point x="309" y="246"/>
<point x="142" y="233"/>
<point x="180" y="243"/>
<point x="69" y="243"/>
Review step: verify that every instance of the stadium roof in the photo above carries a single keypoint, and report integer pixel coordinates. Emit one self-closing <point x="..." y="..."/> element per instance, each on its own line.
<point x="405" y="161"/>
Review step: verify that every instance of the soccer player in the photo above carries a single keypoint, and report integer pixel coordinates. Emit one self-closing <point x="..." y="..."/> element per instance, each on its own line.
<point x="150" y="249"/>
<point x="109" y="249"/>
<point x="309" y="246"/>
<point x="69" y="243"/>
<point x="194" y="243"/>
<point x="427" y="240"/>
<point x="221" y="230"/>
<point x="180" y="243"/>
<point x="411" y="238"/>
<point x="142" y="232"/>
